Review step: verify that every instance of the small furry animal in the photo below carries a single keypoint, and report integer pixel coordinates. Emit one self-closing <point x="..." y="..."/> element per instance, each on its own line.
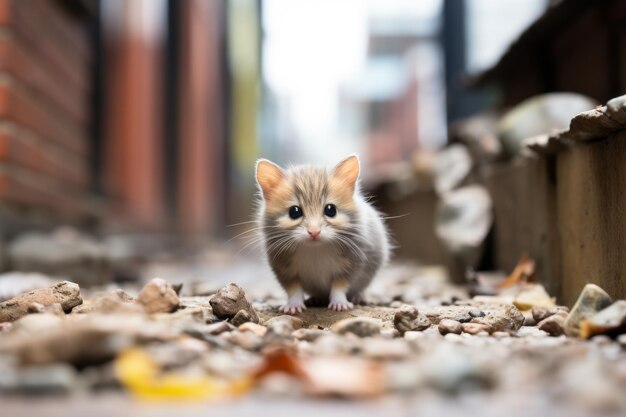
<point x="321" y="236"/>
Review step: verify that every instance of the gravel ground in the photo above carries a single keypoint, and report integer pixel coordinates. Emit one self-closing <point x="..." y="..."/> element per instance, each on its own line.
<point x="419" y="346"/>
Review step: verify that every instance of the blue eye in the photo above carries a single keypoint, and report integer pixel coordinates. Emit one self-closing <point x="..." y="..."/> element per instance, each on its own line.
<point x="295" y="212"/>
<point x="330" y="210"/>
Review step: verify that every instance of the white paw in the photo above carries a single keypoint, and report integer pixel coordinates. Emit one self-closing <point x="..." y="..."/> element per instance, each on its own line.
<point x="341" y="305"/>
<point x="293" y="308"/>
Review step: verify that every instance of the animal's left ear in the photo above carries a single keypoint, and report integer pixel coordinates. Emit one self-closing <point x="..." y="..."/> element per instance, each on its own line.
<point x="347" y="171"/>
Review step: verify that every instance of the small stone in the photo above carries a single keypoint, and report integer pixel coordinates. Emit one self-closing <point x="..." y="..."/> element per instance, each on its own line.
<point x="531" y="331"/>
<point x="476" y="313"/>
<point x="308" y="335"/>
<point x="158" y="296"/>
<point x="450" y="326"/>
<point x="286" y="322"/>
<point x="529" y="319"/>
<point x="117" y="301"/>
<point x="474" y="328"/>
<point x="65" y="293"/>
<point x="554" y="325"/>
<point x="542" y="313"/>
<point x="257" y="329"/>
<point x="360" y="326"/>
<point x="240" y="318"/>
<point x="610" y="320"/>
<point x="245" y="340"/>
<point x="498" y="317"/>
<point x="592" y="299"/>
<point x="408" y="318"/>
<point x="621" y="339"/>
<point x="229" y="300"/>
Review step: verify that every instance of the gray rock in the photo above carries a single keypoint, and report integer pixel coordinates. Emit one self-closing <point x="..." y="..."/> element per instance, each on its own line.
<point x="240" y="318"/>
<point x="360" y="326"/>
<point x="542" y="313"/>
<point x="229" y="300"/>
<point x="498" y="317"/>
<point x="408" y="318"/>
<point x="65" y="293"/>
<point x="449" y="326"/>
<point x="591" y="300"/>
<point x="158" y="296"/>
<point x="554" y="325"/>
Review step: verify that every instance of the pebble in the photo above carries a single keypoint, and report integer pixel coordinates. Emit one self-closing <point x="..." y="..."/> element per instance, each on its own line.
<point x="229" y="300"/>
<point x="257" y="329"/>
<point x="498" y="317"/>
<point x="287" y="322"/>
<point x="447" y="326"/>
<point x="529" y="319"/>
<point x="542" y="313"/>
<point x="591" y="300"/>
<point x="241" y="317"/>
<point x="65" y="293"/>
<point x="554" y="325"/>
<point x="476" y="313"/>
<point x="360" y="326"/>
<point x="531" y="331"/>
<point x="408" y="318"/>
<point x="158" y="296"/>
<point x="245" y="340"/>
<point x="474" y="328"/>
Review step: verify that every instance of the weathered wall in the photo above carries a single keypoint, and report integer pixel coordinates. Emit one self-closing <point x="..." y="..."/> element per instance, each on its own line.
<point x="591" y="197"/>
<point x="524" y="201"/>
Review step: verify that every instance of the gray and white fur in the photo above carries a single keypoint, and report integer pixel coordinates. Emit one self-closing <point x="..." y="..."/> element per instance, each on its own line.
<point x="321" y="236"/>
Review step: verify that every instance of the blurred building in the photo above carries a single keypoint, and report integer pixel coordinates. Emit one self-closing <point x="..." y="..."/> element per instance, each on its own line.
<point x="129" y="115"/>
<point x="576" y="46"/>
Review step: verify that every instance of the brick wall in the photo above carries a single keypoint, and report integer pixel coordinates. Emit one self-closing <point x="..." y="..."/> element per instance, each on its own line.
<point x="45" y="58"/>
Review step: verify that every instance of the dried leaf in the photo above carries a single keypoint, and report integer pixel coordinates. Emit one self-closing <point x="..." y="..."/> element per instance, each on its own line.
<point x="141" y="375"/>
<point x="524" y="271"/>
<point x="282" y="361"/>
<point x="533" y="295"/>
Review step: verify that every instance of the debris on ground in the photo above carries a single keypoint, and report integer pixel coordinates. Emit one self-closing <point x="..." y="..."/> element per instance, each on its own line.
<point x="156" y="344"/>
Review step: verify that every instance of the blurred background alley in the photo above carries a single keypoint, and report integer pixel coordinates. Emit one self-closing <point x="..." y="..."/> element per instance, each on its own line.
<point x="144" y="118"/>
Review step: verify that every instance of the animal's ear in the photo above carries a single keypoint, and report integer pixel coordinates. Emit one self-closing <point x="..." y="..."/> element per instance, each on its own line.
<point x="268" y="176"/>
<point x="347" y="171"/>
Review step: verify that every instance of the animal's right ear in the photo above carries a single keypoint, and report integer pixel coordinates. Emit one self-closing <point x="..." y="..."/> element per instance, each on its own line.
<point x="268" y="176"/>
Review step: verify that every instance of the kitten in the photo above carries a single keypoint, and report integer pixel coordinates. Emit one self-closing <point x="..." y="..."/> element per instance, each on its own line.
<point x="321" y="236"/>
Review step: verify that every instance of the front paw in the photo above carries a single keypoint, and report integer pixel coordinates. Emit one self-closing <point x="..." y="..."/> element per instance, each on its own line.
<point x="340" y="305"/>
<point x="293" y="308"/>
